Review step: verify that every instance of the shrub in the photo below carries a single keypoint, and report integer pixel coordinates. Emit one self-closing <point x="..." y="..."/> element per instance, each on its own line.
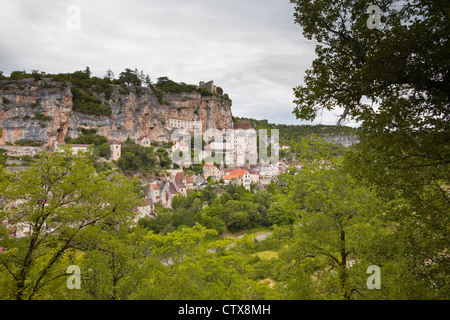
<point x="88" y="104"/>
<point x="28" y="143"/>
<point x="42" y="117"/>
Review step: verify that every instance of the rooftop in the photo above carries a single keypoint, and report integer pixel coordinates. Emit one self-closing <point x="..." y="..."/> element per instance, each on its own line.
<point x="208" y="164"/>
<point x="242" y="125"/>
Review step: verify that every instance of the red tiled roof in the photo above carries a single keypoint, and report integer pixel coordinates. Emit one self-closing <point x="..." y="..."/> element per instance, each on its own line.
<point x="172" y="188"/>
<point x="243" y="125"/>
<point x="208" y="164"/>
<point x="235" y="174"/>
<point x="238" y="172"/>
<point x="180" y="176"/>
<point x="154" y="186"/>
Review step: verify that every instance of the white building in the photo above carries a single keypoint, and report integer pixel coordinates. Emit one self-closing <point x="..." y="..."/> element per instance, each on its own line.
<point x="144" y="141"/>
<point x="75" y="148"/>
<point x="175" y="122"/>
<point x="241" y="177"/>
<point x="245" y="148"/>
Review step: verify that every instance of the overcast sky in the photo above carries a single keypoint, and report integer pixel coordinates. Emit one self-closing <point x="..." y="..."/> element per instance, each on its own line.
<point x="250" y="48"/>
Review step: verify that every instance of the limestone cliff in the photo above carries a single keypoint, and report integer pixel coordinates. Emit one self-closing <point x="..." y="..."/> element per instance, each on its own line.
<point x="43" y="111"/>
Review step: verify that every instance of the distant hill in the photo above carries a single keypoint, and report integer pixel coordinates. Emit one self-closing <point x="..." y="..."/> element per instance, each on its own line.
<point x="339" y="135"/>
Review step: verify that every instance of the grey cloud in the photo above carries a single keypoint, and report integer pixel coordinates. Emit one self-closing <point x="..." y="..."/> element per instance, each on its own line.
<point x="251" y="48"/>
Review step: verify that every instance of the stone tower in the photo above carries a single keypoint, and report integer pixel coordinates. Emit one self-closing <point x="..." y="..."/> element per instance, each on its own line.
<point x="116" y="150"/>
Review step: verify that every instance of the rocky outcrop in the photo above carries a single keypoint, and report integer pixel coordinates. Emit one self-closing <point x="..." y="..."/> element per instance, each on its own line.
<point x="43" y="111"/>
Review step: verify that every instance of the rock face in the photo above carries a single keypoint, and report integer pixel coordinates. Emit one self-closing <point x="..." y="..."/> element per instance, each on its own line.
<point x="43" y="111"/>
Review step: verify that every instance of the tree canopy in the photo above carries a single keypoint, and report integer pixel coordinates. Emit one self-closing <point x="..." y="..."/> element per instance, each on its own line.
<point x="394" y="80"/>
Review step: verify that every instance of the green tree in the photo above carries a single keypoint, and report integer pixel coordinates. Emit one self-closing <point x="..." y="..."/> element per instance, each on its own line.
<point x="104" y="150"/>
<point x="279" y="215"/>
<point x="339" y="218"/>
<point x="113" y="268"/>
<point x="395" y="81"/>
<point x="130" y="77"/>
<point x="208" y="194"/>
<point x="237" y="220"/>
<point x="53" y="205"/>
<point x="186" y="266"/>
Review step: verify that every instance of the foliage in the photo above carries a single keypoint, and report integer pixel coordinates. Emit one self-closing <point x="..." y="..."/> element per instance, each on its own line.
<point x="294" y="133"/>
<point x="56" y="204"/>
<point x="88" y="137"/>
<point x="236" y="210"/>
<point x="28" y="143"/>
<point x="394" y="80"/>
<point x="3" y="157"/>
<point x="42" y="117"/>
<point x="130" y="77"/>
<point x="170" y="86"/>
<point x="136" y="157"/>
<point x="88" y="104"/>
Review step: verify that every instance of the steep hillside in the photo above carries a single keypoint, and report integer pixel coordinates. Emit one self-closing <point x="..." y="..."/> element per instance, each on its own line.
<point x="48" y="109"/>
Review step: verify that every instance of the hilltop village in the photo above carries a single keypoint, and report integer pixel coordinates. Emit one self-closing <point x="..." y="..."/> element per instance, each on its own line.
<point x="179" y="179"/>
<point x="146" y="132"/>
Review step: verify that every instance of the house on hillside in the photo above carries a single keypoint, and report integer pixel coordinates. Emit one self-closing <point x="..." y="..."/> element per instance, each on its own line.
<point x="144" y="141"/>
<point x="154" y="192"/>
<point x="114" y="146"/>
<point x="183" y="183"/>
<point x="178" y="184"/>
<point x="245" y="148"/>
<point x="167" y="194"/>
<point x="254" y="175"/>
<point x="75" y="148"/>
<point x="147" y="209"/>
<point x="210" y="170"/>
<point x="182" y="123"/>
<point x="242" y="177"/>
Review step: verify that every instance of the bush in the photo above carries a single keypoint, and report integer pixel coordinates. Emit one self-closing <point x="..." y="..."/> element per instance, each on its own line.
<point x="237" y="220"/>
<point x="42" y="117"/>
<point x="28" y="143"/>
<point x="104" y="150"/>
<point x="90" y="138"/>
<point x="279" y="215"/>
<point x="88" y="104"/>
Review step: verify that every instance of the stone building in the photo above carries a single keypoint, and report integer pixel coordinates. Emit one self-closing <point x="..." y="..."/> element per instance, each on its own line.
<point x="181" y="123"/>
<point x="210" y="170"/>
<point x="208" y="86"/>
<point x="116" y="150"/>
<point x="143" y="141"/>
<point x="241" y="176"/>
